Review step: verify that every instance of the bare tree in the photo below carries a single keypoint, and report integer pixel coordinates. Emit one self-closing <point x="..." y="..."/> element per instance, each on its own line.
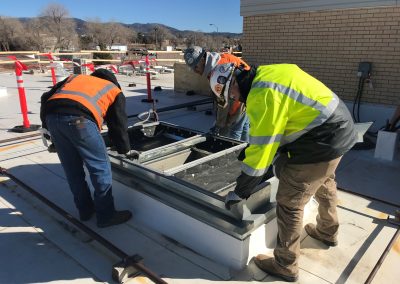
<point x="35" y="34"/>
<point x="55" y="18"/>
<point x="106" y="34"/>
<point x="174" y="40"/>
<point x="12" y="36"/>
<point x="196" y="38"/>
<point x="163" y="34"/>
<point x="95" y="34"/>
<point x="118" y="33"/>
<point x="214" y="43"/>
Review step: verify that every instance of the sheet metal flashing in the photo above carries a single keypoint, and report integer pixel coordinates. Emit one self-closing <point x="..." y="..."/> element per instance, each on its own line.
<point x="191" y="151"/>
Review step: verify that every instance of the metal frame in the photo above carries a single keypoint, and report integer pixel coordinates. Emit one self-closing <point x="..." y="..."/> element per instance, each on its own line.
<point x="206" y="206"/>
<point x="170" y="148"/>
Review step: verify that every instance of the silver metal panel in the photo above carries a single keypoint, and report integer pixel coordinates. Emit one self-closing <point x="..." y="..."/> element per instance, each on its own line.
<point x="239" y="222"/>
<point x="170" y="148"/>
<point x="262" y="7"/>
<point x="192" y="173"/>
<point x="205" y="159"/>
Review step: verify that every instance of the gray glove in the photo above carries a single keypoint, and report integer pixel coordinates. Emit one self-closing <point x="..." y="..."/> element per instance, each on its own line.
<point x="232" y="198"/>
<point x="52" y="148"/>
<point x="132" y="155"/>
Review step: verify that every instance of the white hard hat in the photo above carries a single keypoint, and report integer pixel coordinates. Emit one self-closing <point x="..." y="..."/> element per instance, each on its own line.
<point x="220" y="82"/>
<point x="193" y="55"/>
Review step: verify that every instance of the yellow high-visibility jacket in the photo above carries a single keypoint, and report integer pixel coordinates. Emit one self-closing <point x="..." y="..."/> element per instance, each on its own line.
<point x="289" y="109"/>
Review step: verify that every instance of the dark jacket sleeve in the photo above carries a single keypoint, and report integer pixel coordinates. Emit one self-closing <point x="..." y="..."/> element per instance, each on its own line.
<point x="44" y="99"/>
<point x="245" y="184"/>
<point x="117" y="123"/>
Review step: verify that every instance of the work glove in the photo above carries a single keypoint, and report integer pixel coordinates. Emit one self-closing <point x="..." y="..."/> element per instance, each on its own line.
<point x="215" y="130"/>
<point x="231" y="198"/>
<point x="52" y="148"/>
<point x="45" y="136"/>
<point x="46" y="139"/>
<point x="132" y="155"/>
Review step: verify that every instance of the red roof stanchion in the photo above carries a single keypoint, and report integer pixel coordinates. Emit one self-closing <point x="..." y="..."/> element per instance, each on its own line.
<point x="53" y="73"/>
<point x="26" y="127"/>
<point x="149" y="98"/>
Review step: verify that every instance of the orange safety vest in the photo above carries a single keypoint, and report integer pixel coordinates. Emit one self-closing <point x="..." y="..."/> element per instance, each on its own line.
<point x="229" y="58"/>
<point x="93" y="93"/>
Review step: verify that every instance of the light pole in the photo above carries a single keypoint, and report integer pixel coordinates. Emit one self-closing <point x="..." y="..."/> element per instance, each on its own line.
<point x="155" y="35"/>
<point x="214" y="26"/>
<point x="216" y="34"/>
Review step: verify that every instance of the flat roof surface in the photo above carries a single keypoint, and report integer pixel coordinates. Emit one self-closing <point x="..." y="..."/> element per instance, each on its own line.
<point x="39" y="246"/>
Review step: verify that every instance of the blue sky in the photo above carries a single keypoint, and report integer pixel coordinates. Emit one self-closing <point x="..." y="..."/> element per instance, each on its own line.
<point x="179" y="14"/>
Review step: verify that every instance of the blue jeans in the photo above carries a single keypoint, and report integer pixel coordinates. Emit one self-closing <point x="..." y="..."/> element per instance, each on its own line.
<point x="78" y="142"/>
<point x="240" y="129"/>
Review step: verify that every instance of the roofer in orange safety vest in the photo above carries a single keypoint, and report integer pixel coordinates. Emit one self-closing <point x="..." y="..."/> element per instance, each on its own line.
<point x="231" y="120"/>
<point x="73" y="111"/>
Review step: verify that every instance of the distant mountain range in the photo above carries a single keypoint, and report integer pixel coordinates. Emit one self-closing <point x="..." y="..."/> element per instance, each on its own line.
<point x="146" y="28"/>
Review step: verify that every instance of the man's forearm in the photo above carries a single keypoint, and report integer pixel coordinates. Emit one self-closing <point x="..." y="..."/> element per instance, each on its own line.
<point x="245" y="185"/>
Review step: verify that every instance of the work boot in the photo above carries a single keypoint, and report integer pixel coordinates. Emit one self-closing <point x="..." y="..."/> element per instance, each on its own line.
<point x="313" y="233"/>
<point x="269" y="266"/>
<point x="119" y="217"/>
<point x="86" y="214"/>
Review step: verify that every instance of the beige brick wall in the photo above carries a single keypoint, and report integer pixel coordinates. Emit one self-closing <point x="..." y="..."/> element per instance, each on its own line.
<point x="329" y="45"/>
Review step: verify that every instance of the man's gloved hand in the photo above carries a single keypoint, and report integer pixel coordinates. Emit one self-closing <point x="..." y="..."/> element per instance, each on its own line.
<point x="132" y="155"/>
<point x="214" y="130"/>
<point x="45" y="136"/>
<point x="232" y="198"/>
<point x="52" y="148"/>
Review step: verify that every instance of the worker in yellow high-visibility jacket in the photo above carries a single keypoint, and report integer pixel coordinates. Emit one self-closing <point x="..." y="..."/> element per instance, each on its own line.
<point x="295" y="115"/>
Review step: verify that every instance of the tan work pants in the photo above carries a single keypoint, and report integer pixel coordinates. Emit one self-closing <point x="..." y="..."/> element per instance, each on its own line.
<point x="297" y="184"/>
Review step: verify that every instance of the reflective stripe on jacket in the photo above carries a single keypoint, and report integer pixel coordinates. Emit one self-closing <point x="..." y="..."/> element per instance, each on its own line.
<point x="283" y="104"/>
<point x="93" y="93"/>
